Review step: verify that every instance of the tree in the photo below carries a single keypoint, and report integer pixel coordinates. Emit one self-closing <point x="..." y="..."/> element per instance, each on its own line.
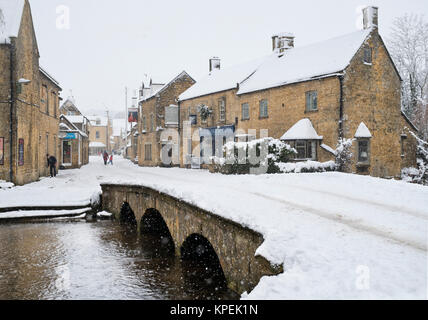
<point x="344" y="154"/>
<point x="408" y="45"/>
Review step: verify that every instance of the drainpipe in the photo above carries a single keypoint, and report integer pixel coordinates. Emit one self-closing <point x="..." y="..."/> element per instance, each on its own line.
<point x="341" y="107"/>
<point x="12" y="101"/>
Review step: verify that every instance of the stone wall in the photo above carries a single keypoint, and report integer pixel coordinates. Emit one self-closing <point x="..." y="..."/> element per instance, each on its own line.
<point x="156" y="106"/>
<point x="234" y="245"/>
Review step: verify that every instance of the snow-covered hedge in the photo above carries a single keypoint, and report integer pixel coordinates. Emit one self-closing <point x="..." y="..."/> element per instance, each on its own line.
<point x="265" y="155"/>
<point x="6" y="185"/>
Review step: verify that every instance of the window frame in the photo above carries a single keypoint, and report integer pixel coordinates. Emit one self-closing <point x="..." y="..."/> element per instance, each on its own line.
<point x="195" y="117"/>
<point x="263" y="109"/>
<point x="368" y="55"/>
<point x="222" y="109"/>
<point x="148" y="152"/>
<point x="361" y="161"/>
<point x="311" y="101"/>
<point x="309" y="147"/>
<point x="247" y="108"/>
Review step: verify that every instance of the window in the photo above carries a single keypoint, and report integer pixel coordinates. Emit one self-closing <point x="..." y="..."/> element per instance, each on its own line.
<point x="144" y="124"/>
<point x="47" y="143"/>
<point x="21" y="152"/>
<point x="306" y="149"/>
<point x="403" y="150"/>
<point x="1" y="151"/>
<point x="245" y="111"/>
<point x="54" y="103"/>
<point x="193" y="118"/>
<point x="152" y="122"/>
<point x="264" y="108"/>
<point x="311" y="101"/>
<point x="368" y="55"/>
<point x="222" y="109"/>
<point x="363" y="151"/>
<point x="148" y="152"/>
<point x="97" y="135"/>
<point x="44" y="98"/>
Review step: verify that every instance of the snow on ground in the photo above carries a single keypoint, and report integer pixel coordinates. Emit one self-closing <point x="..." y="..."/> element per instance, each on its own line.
<point x="339" y="236"/>
<point x="41" y="213"/>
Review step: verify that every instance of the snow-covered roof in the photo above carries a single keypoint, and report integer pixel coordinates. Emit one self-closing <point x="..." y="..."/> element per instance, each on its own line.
<point x="363" y="131"/>
<point x="97" y="145"/>
<point x="294" y="65"/>
<point x="75" y="119"/>
<point x="303" y="63"/>
<point x="94" y="119"/>
<point x="156" y="89"/>
<point x="47" y="75"/>
<point x="12" y="14"/>
<point x="221" y="80"/>
<point x="63" y="126"/>
<point x="302" y="130"/>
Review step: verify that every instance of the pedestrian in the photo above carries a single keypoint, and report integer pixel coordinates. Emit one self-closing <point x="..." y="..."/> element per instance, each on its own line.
<point x="105" y="157"/>
<point x="111" y="159"/>
<point x="52" y="165"/>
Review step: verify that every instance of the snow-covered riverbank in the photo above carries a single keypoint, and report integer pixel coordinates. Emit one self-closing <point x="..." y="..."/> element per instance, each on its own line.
<point x="339" y="236"/>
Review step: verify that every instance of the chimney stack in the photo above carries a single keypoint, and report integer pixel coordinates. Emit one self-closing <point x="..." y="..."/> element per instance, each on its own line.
<point x="282" y="42"/>
<point x="370" y="17"/>
<point x="214" y="63"/>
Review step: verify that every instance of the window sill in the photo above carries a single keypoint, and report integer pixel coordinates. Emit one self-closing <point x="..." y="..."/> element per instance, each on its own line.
<point x="363" y="164"/>
<point x="245" y="119"/>
<point x="261" y="118"/>
<point x="310" y="111"/>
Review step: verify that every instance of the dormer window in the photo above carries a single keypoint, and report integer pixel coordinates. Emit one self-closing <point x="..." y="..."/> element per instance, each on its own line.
<point x="368" y="56"/>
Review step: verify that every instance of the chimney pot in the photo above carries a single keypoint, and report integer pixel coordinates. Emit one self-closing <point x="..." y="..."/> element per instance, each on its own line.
<point x="215" y="63"/>
<point x="282" y="42"/>
<point x="370" y="17"/>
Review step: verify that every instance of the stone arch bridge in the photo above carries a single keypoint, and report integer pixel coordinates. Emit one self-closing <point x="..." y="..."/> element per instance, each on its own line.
<point x="234" y="245"/>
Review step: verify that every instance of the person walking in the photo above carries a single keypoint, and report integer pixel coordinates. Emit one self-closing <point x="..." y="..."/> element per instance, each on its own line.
<point x="111" y="159"/>
<point x="52" y="166"/>
<point x="105" y="157"/>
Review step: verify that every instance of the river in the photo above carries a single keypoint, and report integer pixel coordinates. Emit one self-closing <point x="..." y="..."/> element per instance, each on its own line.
<point x="78" y="260"/>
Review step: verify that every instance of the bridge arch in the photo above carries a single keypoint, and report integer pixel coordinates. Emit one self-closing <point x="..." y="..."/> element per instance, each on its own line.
<point x="197" y="253"/>
<point x="127" y="216"/>
<point x="153" y="225"/>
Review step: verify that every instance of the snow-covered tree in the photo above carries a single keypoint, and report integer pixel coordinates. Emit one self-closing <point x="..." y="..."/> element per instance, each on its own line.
<point x="421" y="174"/>
<point x="344" y="154"/>
<point x="408" y="45"/>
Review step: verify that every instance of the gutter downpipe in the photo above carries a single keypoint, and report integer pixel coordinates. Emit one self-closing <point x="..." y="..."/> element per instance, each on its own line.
<point x="12" y="101"/>
<point x="341" y="107"/>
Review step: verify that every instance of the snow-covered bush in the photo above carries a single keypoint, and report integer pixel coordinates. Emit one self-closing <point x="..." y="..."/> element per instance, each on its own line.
<point x="344" y="154"/>
<point x="260" y="156"/>
<point x="307" y="166"/>
<point x="420" y="174"/>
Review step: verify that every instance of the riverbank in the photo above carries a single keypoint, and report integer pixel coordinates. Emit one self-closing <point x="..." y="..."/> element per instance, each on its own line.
<point x="339" y="236"/>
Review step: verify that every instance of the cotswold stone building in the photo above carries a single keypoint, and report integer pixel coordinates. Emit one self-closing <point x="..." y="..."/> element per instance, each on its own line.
<point x="100" y="133"/>
<point x="29" y="99"/>
<point x="158" y="113"/>
<point x="74" y="136"/>
<point x="346" y="87"/>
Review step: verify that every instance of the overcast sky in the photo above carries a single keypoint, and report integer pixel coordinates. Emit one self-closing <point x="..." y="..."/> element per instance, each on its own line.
<point x="111" y="44"/>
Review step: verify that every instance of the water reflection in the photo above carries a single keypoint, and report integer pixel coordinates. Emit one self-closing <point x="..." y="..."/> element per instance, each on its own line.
<point x="102" y="260"/>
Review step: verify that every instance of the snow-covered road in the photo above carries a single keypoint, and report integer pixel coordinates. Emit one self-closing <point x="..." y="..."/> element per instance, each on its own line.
<point x="339" y="236"/>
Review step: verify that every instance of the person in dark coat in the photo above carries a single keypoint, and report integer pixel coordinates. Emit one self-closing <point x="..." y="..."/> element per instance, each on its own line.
<point x="105" y="157"/>
<point x="52" y="166"/>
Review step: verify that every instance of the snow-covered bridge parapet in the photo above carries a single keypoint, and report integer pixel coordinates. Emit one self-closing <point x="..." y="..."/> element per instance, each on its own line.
<point x="234" y="244"/>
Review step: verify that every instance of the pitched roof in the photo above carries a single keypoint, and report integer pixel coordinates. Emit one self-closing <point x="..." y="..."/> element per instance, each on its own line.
<point x="363" y="131"/>
<point x="294" y="65"/>
<point x="304" y="63"/>
<point x="221" y="80"/>
<point x="12" y="14"/>
<point x="302" y="130"/>
<point x="163" y="87"/>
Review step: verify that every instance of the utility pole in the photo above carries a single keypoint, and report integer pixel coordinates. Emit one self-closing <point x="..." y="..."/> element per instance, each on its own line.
<point x="126" y="121"/>
<point x="107" y="134"/>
